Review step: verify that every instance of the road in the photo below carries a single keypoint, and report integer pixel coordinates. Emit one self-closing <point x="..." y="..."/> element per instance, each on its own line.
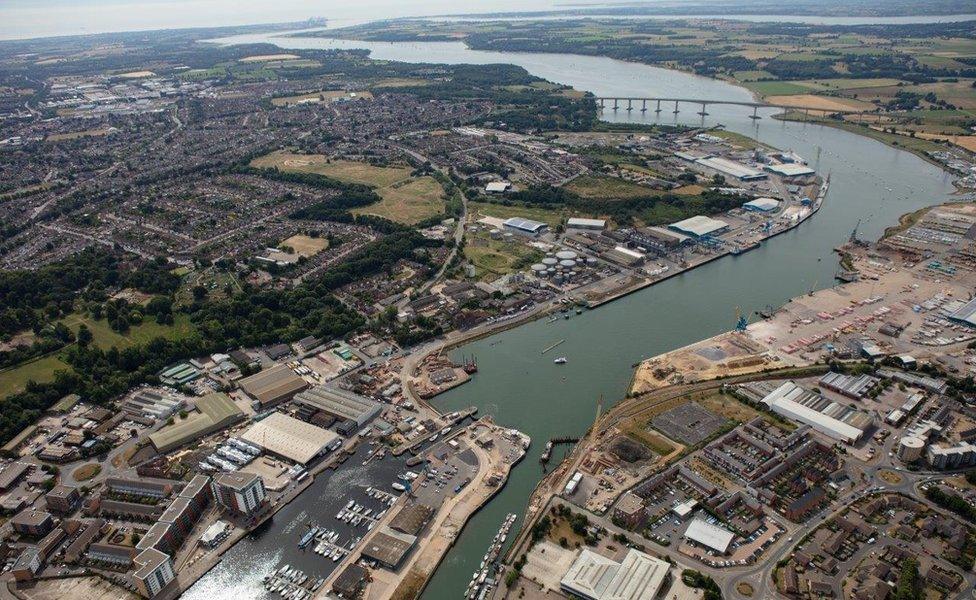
<point x="458" y="229"/>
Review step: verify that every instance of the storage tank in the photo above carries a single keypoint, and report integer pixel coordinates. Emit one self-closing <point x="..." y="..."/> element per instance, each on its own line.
<point x="910" y="448"/>
<point x="567" y="263"/>
<point x="566" y="255"/>
<point x="549" y="261"/>
<point x="539" y="268"/>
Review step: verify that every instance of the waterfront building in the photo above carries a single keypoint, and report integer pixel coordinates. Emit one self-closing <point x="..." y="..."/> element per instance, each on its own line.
<point x="700" y="226"/>
<point x="240" y="493"/>
<point x="154" y="573"/>
<point x="289" y="438"/>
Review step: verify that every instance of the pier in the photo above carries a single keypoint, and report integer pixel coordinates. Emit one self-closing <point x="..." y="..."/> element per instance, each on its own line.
<point x="551" y="445"/>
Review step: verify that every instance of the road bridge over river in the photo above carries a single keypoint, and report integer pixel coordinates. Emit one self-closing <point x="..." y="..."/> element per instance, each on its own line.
<point x="618" y="103"/>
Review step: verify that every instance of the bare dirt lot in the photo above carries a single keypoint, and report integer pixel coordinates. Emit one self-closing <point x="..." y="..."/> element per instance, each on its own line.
<point x="90" y="588"/>
<point x="304" y="245"/>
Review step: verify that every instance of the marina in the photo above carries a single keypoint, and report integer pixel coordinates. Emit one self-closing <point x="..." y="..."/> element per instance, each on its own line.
<point x="483" y="580"/>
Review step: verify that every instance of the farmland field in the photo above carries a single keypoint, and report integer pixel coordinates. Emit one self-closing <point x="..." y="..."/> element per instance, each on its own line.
<point x="776" y="88"/>
<point x="820" y="102"/>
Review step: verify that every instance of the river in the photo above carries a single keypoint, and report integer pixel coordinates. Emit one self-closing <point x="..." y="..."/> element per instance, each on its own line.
<point x="871" y="185"/>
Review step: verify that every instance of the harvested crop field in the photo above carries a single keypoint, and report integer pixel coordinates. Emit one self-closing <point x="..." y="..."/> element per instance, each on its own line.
<point x="820" y="102"/>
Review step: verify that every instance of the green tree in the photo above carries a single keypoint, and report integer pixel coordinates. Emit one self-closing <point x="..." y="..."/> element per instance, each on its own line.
<point x="84" y="336"/>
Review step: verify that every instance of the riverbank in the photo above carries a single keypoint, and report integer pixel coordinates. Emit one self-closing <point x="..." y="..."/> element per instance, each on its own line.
<point x="522" y="388"/>
<point x="918" y="146"/>
<point x="814" y="209"/>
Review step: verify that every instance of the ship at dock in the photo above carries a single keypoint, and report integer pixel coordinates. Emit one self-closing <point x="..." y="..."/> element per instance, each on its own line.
<point x="483" y="580"/>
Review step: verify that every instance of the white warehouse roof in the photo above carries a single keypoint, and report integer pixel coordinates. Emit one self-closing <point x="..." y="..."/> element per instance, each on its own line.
<point x="783" y="400"/>
<point x="699" y="226"/>
<point x="597" y="577"/>
<point x="497" y="186"/>
<point x="288" y="437"/>
<point x="763" y="204"/>
<point x="730" y="167"/>
<point x="790" y="169"/>
<point x="715" y="537"/>
<point x="580" y="223"/>
<point x="525" y="224"/>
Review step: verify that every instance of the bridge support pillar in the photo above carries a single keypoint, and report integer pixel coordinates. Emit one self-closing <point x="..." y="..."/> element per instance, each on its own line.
<point x="615" y="104"/>
<point x="644" y="107"/>
<point x="755" y="113"/>
<point x="601" y="102"/>
<point x="676" y="111"/>
<point x="658" y="107"/>
<point x="630" y="104"/>
<point x="703" y="112"/>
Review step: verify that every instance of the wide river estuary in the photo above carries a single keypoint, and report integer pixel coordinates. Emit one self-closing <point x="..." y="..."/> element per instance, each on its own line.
<point x="871" y="184"/>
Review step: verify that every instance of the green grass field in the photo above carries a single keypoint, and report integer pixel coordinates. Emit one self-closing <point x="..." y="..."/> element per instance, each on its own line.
<point x="408" y="202"/>
<point x="104" y="337"/>
<point x="776" y="88"/>
<point x="349" y="171"/>
<point x="41" y="370"/>
<point x="494" y="258"/>
<point x="596" y="186"/>
<point x="406" y="199"/>
<point x="551" y="217"/>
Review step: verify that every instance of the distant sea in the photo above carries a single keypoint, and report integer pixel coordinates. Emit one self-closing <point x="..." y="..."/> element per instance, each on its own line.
<point x="21" y="19"/>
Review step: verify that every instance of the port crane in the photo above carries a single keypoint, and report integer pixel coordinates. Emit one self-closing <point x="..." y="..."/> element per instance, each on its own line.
<point x="741" y="322"/>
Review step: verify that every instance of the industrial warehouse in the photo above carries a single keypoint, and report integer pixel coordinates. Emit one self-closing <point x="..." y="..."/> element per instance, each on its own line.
<point x="213" y="412"/>
<point x="596" y="577"/>
<point x="273" y="386"/>
<point x="830" y="418"/>
<point x="289" y="438"/>
<point x="700" y="226"/>
<point x="341" y="404"/>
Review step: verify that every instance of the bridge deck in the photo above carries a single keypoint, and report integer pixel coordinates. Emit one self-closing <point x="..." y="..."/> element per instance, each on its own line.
<point x="705" y="102"/>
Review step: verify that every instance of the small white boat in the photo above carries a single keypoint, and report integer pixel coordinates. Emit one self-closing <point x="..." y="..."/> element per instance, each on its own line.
<point x="560" y="361"/>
